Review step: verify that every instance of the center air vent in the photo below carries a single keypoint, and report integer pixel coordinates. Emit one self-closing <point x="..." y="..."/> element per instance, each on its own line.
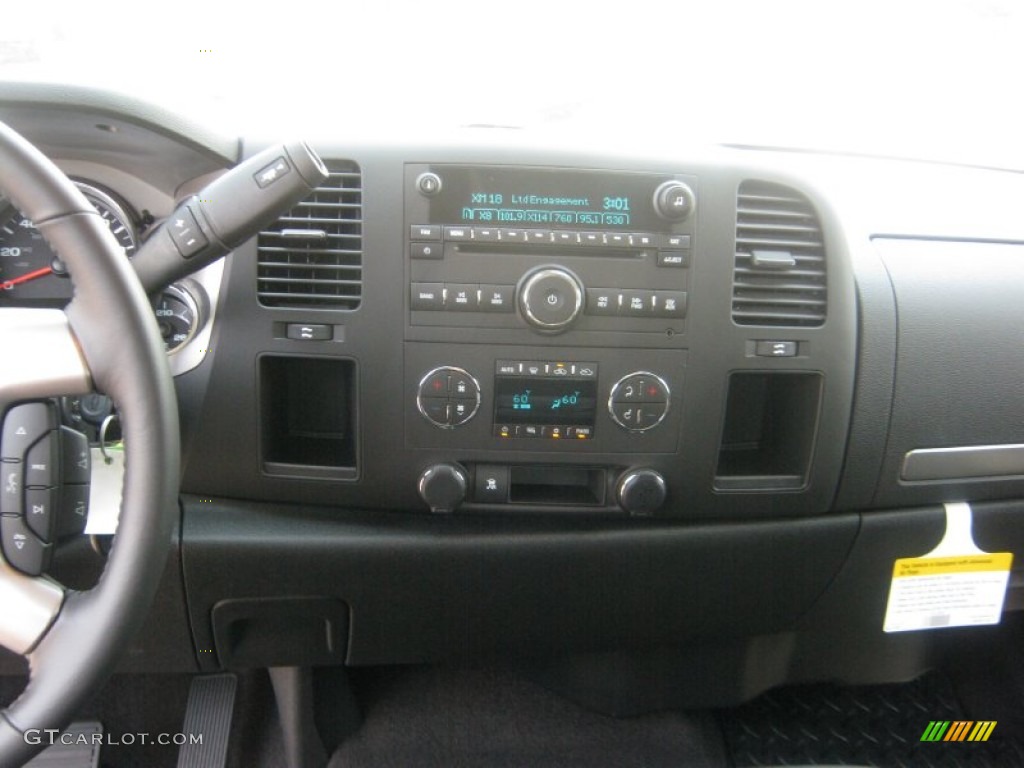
<point x="780" y="258"/>
<point x="312" y="257"/>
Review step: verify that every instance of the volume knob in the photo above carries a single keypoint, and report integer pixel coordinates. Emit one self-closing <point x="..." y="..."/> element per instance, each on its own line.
<point x="551" y="298"/>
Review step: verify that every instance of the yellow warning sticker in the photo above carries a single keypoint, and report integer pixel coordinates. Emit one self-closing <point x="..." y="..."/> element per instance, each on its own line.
<point x="938" y="592"/>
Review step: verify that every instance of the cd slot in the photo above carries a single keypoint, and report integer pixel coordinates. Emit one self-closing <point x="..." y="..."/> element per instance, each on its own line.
<point x="547" y="251"/>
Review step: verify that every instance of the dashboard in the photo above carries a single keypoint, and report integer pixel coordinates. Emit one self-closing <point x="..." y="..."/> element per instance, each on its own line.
<point x="489" y="396"/>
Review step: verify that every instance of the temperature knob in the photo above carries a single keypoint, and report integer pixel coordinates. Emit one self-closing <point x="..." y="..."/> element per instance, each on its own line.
<point x="551" y="298"/>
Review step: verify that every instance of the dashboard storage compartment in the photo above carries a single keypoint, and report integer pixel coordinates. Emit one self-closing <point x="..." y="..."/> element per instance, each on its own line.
<point x="957" y="424"/>
<point x="556" y="485"/>
<point x="280" y="632"/>
<point x="768" y="437"/>
<point x="307" y="415"/>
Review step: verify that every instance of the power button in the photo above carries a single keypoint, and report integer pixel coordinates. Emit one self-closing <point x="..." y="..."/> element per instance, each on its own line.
<point x="428" y="184"/>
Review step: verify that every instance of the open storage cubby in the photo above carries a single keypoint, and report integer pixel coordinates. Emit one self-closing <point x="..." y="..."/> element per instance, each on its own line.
<point x="308" y="416"/>
<point x="768" y="437"/>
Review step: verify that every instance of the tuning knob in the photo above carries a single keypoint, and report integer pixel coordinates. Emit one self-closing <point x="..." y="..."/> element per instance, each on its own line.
<point x="443" y="487"/>
<point x="673" y="200"/>
<point x="642" y="491"/>
<point x="551" y="298"/>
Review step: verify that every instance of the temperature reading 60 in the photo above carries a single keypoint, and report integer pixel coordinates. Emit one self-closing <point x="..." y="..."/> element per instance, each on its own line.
<point x="565" y="401"/>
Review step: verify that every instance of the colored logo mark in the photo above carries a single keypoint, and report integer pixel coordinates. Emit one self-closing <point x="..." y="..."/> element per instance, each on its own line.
<point x="958" y="730"/>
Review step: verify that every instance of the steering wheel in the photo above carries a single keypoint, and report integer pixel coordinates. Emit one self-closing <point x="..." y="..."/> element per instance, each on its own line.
<point x="105" y="339"/>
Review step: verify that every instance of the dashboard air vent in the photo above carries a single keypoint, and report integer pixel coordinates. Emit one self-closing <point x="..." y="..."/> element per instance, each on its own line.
<point x="312" y="257"/>
<point x="780" y="258"/>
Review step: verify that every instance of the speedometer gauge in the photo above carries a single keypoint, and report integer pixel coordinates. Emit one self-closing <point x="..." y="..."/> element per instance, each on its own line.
<point x="29" y="269"/>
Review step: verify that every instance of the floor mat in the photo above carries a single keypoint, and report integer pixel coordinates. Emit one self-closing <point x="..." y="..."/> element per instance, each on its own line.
<point x="488" y="719"/>
<point x="879" y="725"/>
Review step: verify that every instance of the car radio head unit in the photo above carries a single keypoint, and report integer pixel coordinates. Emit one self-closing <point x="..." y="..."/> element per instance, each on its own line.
<point x="546" y="251"/>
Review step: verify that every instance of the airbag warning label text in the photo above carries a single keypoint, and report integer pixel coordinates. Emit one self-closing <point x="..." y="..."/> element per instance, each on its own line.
<point x="936" y="592"/>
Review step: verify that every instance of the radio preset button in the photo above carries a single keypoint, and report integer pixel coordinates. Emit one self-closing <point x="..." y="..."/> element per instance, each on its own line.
<point x="538" y="236"/>
<point x="643" y="240"/>
<point x="513" y="235"/>
<point x="486" y="234"/>
<point x="566" y="238"/>
<point x="617" y="240"/>
<point x="592" y="238"/>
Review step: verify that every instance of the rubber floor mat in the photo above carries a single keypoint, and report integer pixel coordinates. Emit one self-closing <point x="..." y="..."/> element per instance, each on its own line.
<point x="879" y="726"/>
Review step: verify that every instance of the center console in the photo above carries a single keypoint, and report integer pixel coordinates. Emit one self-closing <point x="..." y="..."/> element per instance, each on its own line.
<point x="547" y="311"/>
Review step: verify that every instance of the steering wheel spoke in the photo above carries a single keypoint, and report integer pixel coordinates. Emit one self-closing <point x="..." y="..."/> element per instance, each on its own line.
<point x="30" y="606"/>
<point x="41" y="357"/>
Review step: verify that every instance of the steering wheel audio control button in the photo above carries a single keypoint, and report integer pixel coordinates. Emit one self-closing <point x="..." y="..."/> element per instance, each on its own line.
<point x="22" y="549"/>
<point x="74" y="510"/>
<point x="39" y="512"/>
<point x="24" y="425"/>
<point x="12" y="486"/>
<point x="41" y="463"/>
<point x="77" y="465"/>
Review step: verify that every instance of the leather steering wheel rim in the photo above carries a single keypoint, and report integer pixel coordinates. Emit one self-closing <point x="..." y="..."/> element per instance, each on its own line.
<point x="110" y="326"/>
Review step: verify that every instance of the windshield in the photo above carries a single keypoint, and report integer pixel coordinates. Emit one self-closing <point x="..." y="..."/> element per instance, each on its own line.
<point x="936" y="79"/>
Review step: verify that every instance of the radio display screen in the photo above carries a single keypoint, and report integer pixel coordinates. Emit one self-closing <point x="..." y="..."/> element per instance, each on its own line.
<point x="546" y="198"/>
<point x="545" y="402"/>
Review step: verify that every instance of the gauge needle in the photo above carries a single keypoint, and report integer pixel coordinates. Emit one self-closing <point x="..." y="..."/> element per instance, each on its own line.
<point x="7" y="284"/>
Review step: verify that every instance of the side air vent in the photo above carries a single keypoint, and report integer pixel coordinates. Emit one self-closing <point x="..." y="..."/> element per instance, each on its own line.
<point x="780" y="258"/>
<point x="312" y="257"/>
